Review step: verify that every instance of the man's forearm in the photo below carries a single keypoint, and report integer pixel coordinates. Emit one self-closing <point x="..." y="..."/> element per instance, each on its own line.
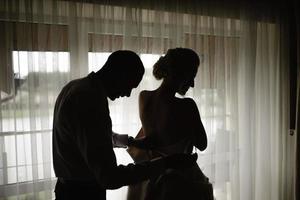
<point x="131" y="174"/>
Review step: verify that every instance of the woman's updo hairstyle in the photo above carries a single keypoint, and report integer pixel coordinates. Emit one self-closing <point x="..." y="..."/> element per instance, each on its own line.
<point x="178" y="60"/>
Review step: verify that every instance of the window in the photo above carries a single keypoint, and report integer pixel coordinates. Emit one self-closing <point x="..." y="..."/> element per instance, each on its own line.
<point x="26" y="119"/>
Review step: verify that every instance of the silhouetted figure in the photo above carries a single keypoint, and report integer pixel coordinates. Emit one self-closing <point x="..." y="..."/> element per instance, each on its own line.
<point x="172" y="125"/>
<point x="83" y="156"/>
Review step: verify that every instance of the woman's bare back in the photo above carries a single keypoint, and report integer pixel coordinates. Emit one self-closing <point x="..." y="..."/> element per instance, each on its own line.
<point x="166" y="120"/>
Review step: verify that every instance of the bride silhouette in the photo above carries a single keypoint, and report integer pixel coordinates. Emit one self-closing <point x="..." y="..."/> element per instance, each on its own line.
<point x="171" y="125"/>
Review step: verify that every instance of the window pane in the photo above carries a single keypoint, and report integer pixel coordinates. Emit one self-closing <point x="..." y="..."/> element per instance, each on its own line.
<point x="12" y="175"/>
<point x="97" y="60"/>
<point x="10" y="150"/>
<point x="26" y="116"/>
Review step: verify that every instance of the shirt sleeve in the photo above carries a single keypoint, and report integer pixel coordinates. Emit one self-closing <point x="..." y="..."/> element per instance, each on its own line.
<point x="119" y="140"/>
<point x="94" y="140"/>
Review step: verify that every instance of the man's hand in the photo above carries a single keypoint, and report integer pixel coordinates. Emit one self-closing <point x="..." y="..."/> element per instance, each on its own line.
<point x="180" y="161"/>
<point x="142" y="143"/>
<point x="131" y="141"/>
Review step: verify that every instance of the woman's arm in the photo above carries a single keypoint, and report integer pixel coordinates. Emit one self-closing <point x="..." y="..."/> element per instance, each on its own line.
<point x="199" y="135"/>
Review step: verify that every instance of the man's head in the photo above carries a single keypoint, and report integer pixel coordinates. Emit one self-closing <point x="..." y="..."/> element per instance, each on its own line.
<point x="122" y="72"/>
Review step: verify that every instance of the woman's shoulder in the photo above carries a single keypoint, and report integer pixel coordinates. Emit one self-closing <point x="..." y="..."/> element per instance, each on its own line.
<point x="188" y="104"/>
<point x="186" y="101"/>
<point x="144" y="97"/>
<point x="146" y="94"/>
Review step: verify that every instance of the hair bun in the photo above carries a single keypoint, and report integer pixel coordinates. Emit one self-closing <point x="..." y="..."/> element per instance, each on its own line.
<point x="160" y="68"/>
<point x="176" y="60"/>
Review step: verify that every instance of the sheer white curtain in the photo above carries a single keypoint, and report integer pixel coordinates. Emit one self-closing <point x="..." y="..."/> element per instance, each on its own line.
<point x="242" y="86"/>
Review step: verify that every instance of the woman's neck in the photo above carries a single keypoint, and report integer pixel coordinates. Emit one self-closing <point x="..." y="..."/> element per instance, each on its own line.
<point x="166" y="90"/>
